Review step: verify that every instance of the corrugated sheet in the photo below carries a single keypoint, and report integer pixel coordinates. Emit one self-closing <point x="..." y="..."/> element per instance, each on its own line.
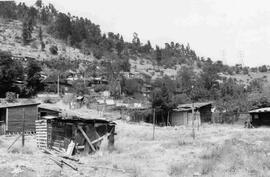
<point x="267" y="109"/>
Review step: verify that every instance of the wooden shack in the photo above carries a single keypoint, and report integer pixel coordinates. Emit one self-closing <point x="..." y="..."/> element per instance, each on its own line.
<point x="74" y="135"/>
<point x="260" y="116"/>
<point x="14" y="115"/>
<point x="182" y="115"/>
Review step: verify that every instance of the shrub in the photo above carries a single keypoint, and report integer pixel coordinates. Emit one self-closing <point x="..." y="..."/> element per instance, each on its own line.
<point x="54" y="50"/>
<point x="10" y="97"/>
<point x="48" y="100"/>
<point x="100" y="88"/>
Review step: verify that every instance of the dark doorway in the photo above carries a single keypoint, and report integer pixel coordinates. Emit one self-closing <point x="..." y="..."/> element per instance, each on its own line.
<point x="2" y="120"/>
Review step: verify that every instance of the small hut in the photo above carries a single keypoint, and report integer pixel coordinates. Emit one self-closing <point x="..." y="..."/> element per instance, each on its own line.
<point x="73" y="135"/>
<point x="260" y="116"/>
<point x="182" y="115"/>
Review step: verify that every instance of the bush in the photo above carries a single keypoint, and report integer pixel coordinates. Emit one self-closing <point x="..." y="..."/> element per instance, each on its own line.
<point x="100" y="88"/>
<point x="54" y="50"/>
<point x="48" y="100"/>
<point x="10" y="97"/>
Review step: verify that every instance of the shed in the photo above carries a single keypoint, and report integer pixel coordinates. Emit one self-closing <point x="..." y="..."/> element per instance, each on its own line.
<point x="260" y="116"/>
<point x="11" y="117"/>
<point x="182" y="115"/>
<point x="73" y="135"/>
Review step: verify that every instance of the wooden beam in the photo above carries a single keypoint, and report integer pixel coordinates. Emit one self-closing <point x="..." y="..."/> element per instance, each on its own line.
<point x="87" y="139"/>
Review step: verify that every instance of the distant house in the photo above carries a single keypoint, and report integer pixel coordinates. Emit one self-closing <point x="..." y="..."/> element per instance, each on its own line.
<point x="97" y="81"/>
<point x="260" y="116"/>
<point x="146" y="90"/>
<point x="182" y="115"/>
<point x="52" y="81"/>
<point x="11" y="117"/>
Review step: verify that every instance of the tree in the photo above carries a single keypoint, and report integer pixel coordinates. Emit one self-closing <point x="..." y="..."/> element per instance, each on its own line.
<point x="38" y="3"/>
<point x="27" y="30"/>
<point x="10" y="71"/>
<point x="8" y="9"/>
<point x="33" y="77"/>
<point x="61" y="28"/>
<point x="158" y="55"/>
<point x="185" y="78"/>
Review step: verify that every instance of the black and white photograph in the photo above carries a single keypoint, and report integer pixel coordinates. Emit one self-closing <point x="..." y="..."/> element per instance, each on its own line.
<point x="135" y="88"/>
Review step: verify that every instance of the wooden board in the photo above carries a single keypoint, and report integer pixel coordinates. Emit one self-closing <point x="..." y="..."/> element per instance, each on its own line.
<point x="41" y="133"/>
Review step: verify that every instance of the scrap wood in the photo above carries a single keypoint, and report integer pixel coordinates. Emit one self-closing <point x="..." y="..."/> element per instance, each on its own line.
<point x="58" y="161"/>
<point x="69" y="157"/>
<point x="110" y="168"/>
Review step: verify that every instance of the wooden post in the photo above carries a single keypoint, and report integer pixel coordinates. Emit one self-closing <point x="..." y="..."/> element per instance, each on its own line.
<point x="154" y="122"/>
<point x="23" y="127"/>
<point x="58" y="85"/>
<point x="193" y="130"/>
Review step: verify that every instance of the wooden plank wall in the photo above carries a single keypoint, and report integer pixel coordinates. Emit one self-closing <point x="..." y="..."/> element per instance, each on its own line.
<point x="42" y="133"/>
<point x="15" y="118"/>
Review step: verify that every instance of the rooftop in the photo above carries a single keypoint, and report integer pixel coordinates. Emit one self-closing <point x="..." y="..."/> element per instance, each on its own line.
<point x="19" y="103"/>
<point x="266" y="109"/>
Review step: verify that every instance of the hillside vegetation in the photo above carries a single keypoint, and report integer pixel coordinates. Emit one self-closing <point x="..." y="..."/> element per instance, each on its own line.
<point x="62" y="44"/>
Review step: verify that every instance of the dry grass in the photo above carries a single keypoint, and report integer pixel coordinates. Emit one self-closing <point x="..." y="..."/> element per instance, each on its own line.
<point x="220" y="150"/>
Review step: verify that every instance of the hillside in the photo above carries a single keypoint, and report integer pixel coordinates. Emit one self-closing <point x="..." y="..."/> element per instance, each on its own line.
<point x="11" y="40"/>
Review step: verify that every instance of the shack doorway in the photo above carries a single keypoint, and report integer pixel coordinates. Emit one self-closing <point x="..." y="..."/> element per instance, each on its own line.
<point x="2" y="120"/>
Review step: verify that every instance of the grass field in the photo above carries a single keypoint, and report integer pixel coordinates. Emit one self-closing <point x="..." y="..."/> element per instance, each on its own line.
<point x="218" y="150"/>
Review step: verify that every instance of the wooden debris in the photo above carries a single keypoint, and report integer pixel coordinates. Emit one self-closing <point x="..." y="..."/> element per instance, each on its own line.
<point x="70" y="148"/>
<point x="58" y="160"/>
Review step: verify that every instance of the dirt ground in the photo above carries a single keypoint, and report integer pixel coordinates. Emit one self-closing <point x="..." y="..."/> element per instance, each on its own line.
<point x="218" y="150"/>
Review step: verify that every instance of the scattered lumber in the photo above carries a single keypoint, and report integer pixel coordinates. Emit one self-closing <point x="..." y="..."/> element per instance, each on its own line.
<point x="109" y="168"/>
<point x="57" y="162"/>
<point x="57" y="159"/>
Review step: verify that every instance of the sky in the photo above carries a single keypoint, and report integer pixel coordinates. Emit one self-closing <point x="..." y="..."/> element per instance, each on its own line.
<point x="234" y="31"/>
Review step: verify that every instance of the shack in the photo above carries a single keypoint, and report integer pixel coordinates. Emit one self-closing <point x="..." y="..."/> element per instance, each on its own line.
<point x="74" y="135"/>
<point x="260" y="116"/>
<point x="182" y="115"/>
<point x="14" y="115"/>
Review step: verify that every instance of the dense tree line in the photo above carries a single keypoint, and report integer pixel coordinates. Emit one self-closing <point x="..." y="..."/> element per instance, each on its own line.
<point x="18" y="78"/>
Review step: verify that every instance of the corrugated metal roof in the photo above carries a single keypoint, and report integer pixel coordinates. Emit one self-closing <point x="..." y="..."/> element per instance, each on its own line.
<point x="196" y="105"/>
<point x="266" y="109"/>
<point x="9" y="105"/>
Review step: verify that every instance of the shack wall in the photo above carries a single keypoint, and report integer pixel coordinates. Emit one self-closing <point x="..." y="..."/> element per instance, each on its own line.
<point x="205" y="113"/>
<point x="179" y="118"/>
<point x="15" y="118"/>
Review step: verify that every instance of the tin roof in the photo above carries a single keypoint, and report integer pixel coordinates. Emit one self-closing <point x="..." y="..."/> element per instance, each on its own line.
<point x="266" y="109"/>
<point x="17" y="104"/>
<point x="188" y="106"/>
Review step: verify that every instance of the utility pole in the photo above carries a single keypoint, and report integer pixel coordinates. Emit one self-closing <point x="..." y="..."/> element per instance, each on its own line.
<point x="193" y="115"/>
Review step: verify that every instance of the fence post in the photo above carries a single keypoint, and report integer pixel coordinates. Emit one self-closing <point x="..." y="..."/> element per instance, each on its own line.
<point x="23" y="127"/>
<point x="154" y="122"/>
